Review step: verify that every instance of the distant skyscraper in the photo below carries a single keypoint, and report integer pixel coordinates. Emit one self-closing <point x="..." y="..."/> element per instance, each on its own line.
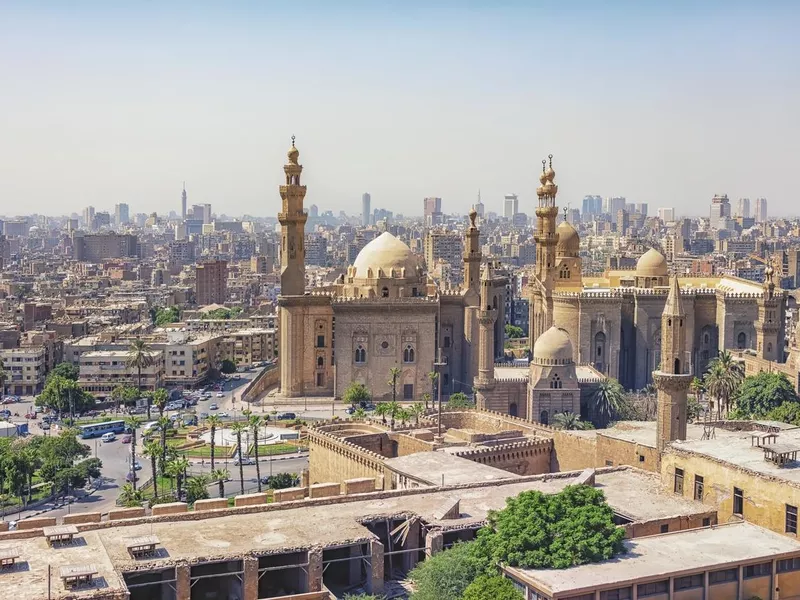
<point x="88" y="217"/>
<point x="366" y="200"/>
<point x="121" y="214"/>
<point x="313" y="211"/>
<point x="761" y="210"/>
<point x="202" y="211"/>
<point x="641" y="208"/>
<point x="479" y="207"/>
<point x="743" y="208"/>
<point x="433" y="210"/>
<point x="613" y="205"/>
<point x="666" y="214"/>
<point x="511" y="206"/>
<point x="592" y="205"/>
<point x="720" y="212"/>
<point x="183" y="202"/>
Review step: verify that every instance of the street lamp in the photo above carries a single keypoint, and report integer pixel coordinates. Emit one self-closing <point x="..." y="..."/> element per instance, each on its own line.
<point x="438" y="366"/>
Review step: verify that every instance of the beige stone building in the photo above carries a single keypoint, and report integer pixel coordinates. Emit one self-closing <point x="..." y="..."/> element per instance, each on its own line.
<point x="103" y="370"/>
<point x="247" y="347"/>
<point x="385" y="312"/>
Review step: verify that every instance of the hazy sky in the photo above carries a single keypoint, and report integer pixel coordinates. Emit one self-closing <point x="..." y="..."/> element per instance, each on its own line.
<point x="667" y="105"/>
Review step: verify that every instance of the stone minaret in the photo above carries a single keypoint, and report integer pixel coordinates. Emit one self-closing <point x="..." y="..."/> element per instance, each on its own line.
<point x="484" y="382"/>
<point x="674" y="377"/>
<point x="541" y="300"/>
<point x="292" y="304"/>
<point x="769" y="338"/>
<point x="472" y="254"/>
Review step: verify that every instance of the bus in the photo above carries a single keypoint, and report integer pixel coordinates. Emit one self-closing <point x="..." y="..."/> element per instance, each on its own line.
<point x="98" y="429"/>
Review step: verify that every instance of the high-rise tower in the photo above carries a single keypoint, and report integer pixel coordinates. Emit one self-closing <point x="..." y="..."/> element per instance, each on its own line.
<point x="672" y="380"/>
<point x="183" y="202"/>
<point x="541" y="306"/>
<point x="293" y="222"/>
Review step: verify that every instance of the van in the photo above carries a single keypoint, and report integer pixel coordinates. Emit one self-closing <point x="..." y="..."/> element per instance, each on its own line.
<point x="108" y="437"/>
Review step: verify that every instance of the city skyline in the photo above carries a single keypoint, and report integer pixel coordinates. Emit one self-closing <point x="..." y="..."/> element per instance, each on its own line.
<point x="655" y="114"/>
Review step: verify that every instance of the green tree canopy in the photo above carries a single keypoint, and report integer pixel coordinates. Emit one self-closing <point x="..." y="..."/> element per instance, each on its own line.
<point x="788" y="412"/>
<point x="66" y="370"/>
<point x="356" y="393"/>
<point x="282" y="481"/>
<point x="759" y="394"/>
<point x="164" y="316"/>
<point x="541" y="531"/>
<point x="459" y="400"/>
<point x="445" y="576"/>
<point x="62" y="394"/>
<point x="222" y="313"/>
<point x="228" y="366"/>
<point x="492" y="587"/>
<point x="512" y="331"/>
<point x="125" y="394"/>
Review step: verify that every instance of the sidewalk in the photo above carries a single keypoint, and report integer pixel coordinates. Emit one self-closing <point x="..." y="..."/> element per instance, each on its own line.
<point x="261" y="459"/>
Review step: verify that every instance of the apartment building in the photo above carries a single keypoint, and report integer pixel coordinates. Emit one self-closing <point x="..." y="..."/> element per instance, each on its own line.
<point x="103" y="370"/>
<point x="188" y="358"/>
<point x="247" y="347"/>
<point x="26" y="370"/>
<point x="212" y="282"/>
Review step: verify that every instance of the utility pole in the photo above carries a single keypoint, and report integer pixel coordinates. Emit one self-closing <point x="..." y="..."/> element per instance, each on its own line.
<point x="438" y="367"/>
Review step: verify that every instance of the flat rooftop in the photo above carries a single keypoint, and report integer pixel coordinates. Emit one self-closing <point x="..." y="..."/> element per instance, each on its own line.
<point x="439" y="468"/>
<point x="660" y="556"/>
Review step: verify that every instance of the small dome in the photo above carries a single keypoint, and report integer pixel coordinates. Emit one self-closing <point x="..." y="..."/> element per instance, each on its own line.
<point x="553" y="347"/>
<point x="550" y="174"/>
<point x="569" y="242"/>
<point x="652" y="264"/>
<point x="543" y="178"/>
<point x="384" y="253"/>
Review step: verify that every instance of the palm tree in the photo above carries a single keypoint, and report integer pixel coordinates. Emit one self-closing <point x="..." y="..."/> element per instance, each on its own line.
<point x="608" y="399"/>
<point x="213" y="422"/>
<point x="131" y="497"/>
<point x="426" y="397"/>
<point x="220" y="476"/>
<point x="723" y="378"/>
<point x="133" y="424"/>
<point x="434" y="377"/>
<point x="359" y="413"/>
<point x="237" y="429"/>
<point x="394" y="375"/>
<point x="177" y="469"/>
<point x="568" y="420"/>
<point x="382" y="409"/>
<point x="254" y="421"/>
<point x="197" y="488"/>
<point x="417" y="410"/>
<point x="403" y="415"/>
<point x="159" y="398"/>
<point x="152" y="450"/>
<point x="163" y="424"/>
<point x="393" y="408"/>
<point x="139" y="358"/>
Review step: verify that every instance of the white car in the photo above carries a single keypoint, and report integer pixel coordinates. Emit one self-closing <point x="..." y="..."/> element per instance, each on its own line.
<point x="220" y="395"/>
<point x="244" y="461"/>
<point x="108" y="437"/>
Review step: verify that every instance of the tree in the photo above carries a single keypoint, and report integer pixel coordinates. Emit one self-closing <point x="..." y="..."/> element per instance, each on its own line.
<point x="459" y="400"/>
<point x="394" y="375"/>
<point x="64" y="395"/>
<point x="403" y="415"/>
<point x="759" y="394"/>
<point x="382" y="410"/>
<point x="125" y="394"/>
<point x="568" y="421"/>
<point x="392" y="409"/>
<point x="356" y="394"/>
<point x="220" y="476"/>
<point x="130" y="497"/>
<point x="788" y="412"/>
<point x="417" y="410"/>
<point x="164" y="316"/>
<point x="163" y="425"/>
<point x="722" y="379"/>
<point x="139" y="357"/>
<point x="133" y="424"/>
<point x="238" y="429"/>
<point x="544" y="531"/>
<point x="492" y="587"/>
<point x="608" y="399"/>
<point x="512" y="331"/>
<point x="66" y="370"/>
<point x="445" y="575"/>
<point x="176" y="469"/>
<point x="426" y="398"/>
<point x="281" y="481"/>
<point x="213" y="421"/>
<point x="197" y="488"/>
<point x="434" y="378"/>
<point x="159" y="398"/>
<point x="359" y="413"/>
<point x="254" y="422"/>
<point x="227" y="366"/>
<point x="152" y="450"/>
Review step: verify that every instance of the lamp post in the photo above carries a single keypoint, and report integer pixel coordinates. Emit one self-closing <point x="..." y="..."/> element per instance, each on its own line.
<point x="438" y="367"/>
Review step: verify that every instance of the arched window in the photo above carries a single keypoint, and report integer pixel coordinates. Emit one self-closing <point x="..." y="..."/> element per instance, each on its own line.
<point x="544" y="418"/>
<point x="599" y="344"/>
<point x="564" y="274"/>
<point x="385" y="292"/>
<point x="706" y="338"/>
<point x="361" y="355"/>
<point x="408" y="354"/>
<point x="320" y="362"/>
<point x="555" y="382"/>
<point x="677" y="366"/>
<point x="741" y="340"/>
<point x="512" y="409"/>
<point x="769" y="348"/>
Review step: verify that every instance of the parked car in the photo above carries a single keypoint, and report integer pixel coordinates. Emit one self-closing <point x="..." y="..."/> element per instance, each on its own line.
<point x="287" y="416"/>
<point x="203" y="415"/>
<point x="45" y="426"/>
<point x="108" y="437"/>
<point x="350" y="409"/>
<point x="223" y="415"/>
<point x="213" y="407"/>
<point x="246" y="460"/>
<point x="30" y="415"/>
<point x="220" y="395"/>
<point x="126" y="439"/>
<point x="190" y="421"/>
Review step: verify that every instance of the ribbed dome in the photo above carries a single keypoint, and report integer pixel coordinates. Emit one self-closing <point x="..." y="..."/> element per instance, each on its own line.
<point x="385" y="253"/>
<point x="652" y="264"/>
<point x="569" y="242"/>
<point x="553" y="347"/>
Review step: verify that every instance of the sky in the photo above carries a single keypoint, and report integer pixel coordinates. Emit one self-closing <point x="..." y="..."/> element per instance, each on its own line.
<point x="666" y="103"/>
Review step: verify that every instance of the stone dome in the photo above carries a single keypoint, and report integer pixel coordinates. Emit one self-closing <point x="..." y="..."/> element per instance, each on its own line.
<point x="569" y="242"/>
<point x="383" y="254"/>
<point x="652" y="264"/>
<point x="553" y="347"/>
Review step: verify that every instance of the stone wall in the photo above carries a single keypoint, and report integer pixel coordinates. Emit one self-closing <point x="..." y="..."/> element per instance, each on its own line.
<point x="522" y="458"/>
<point x="332" y="459"/>
<point x="262" y="382"/>
<point x="379" y="443"/>
<point x="614" y="452"/>
<point x="406" y="444"/>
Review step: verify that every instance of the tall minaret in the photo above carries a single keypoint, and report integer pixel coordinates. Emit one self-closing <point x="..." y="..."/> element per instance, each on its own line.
<point x="672" y="380"/>
<point x="541" y="302"/>
<point x="484" y="382"/>
<point x="293" y="222"/>
<point x="183" y="202"/>
<point x="769" y="341"/>
<point x="472" y="254"/>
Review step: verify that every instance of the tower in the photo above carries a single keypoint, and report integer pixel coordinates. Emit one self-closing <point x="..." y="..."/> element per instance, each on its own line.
<point x="672" y="380"/>
<point x="183" y="202"/>
<point x="366" y="200"/>
<point x="541" y="305"/>
<point x="472" y="253"/>
<point x="484" y="382"/>
<point x="770" y="319"/>
<point x="293" y="222"/>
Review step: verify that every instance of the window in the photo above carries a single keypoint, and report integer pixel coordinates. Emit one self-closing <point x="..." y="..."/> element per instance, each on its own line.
<point x="741" y="341"/>
<point x="689" y="582"/>
<point x="665" y="528"/>
<point x="445" y="379"/>
<point x="723" y="576"/>
<point x="698" y="487"/>
<point x="653" y="589"/>
<point x="641" y="458"/>
<point x="738" y="501"/>
<point x="320" y="362"/>
<point x="759" y="570"/>
<point x="361" y="355"/>
<point x="609" y="463"/>
<point x="408" y="354"/>
<point x="447" y="341"/>
<point x="555" y="382"/>
<point x="789" y="564"/>
<point x="320" y="379"/>
<point x="791" y="519"/>
<point x="320" y="341"/>
<point x="385" y="292"/>
<point x="544" y="418"/>
<point x="618" y="594"/>
<point x="678" y="486"/>
<point x="707" y="522"/>
<point x="408" y="391"/>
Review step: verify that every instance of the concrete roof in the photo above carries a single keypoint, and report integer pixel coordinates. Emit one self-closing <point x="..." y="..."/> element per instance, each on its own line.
<point x="438" y="467"/>
<point x="658" y="556"/>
